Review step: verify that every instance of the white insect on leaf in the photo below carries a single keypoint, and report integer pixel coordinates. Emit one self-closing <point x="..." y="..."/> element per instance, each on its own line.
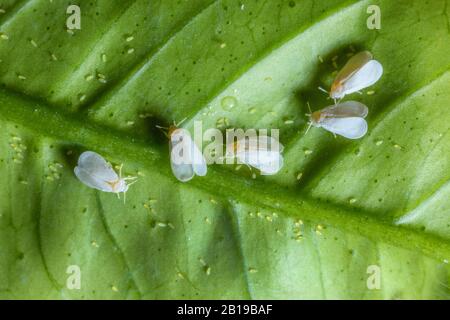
<point x="95" y="172"/>
<point x="186" y="158"/>
<point x="345" y="119"/>
<point x="360" y="72"/>
<point x="262" y="153"/>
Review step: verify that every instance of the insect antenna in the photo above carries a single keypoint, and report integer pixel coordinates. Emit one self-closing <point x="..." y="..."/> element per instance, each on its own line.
<point x="120" y="174"/>
<point x="323" y="90"/>
<point x="164" y="130"/>
<point x="309" y="127"/>
<point x="133" y="182"/>
<point x="179" y="123"/>
<point x="326" y="92"/>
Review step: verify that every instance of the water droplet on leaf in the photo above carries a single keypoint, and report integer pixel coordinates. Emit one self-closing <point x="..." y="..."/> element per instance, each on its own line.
<point x="228" y="103"/>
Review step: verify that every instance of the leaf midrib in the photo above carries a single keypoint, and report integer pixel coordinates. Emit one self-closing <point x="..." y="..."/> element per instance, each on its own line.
<point x="48" y="121"/>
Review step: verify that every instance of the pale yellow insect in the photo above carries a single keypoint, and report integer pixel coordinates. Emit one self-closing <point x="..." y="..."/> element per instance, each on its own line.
<point x="186" y="158"/>
<point x="360" y="72"/>
<point x="345" y="119"/>
<point x="95" y="172"/>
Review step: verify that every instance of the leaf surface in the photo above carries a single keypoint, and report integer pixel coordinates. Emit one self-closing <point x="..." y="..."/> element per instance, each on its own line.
<point x="312" y="231"/>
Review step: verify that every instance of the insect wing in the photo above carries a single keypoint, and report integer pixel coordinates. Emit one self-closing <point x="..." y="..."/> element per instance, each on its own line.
<point x="89" y="180"/>
<point x="351" y="128"/>
<point x="255" y="143"/>
<point x="97" y="166"/>
<point x="199" y="163"/>
<point x="95" y="172"/>
<point x="269" y="162"/>
<point x="272" y="143"/>
<point x="353" y="65"/>
<point x="346" y="110"/>
<point x="263" y="153"/>
<point x="370" y="73"/>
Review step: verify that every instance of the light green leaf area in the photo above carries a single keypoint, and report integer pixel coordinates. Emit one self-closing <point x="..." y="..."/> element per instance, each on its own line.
<point x="338" y="210"/>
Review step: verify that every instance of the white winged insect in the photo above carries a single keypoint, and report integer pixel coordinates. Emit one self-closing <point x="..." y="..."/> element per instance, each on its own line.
<point x="95" y="172"/>
<point x="345" y="119"/>
<point x="262" y="153"/>
<point x="186" y="158"/>
<point x="360" y="72"/>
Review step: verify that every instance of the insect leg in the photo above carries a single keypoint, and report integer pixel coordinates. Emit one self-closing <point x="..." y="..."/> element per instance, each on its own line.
<point x="309" y="127"/>
<point x="120" y="171"/>
<point x="179" y="123"/>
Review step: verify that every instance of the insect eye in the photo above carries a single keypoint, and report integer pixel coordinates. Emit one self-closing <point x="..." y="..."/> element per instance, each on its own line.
<point x="316" y="116"/>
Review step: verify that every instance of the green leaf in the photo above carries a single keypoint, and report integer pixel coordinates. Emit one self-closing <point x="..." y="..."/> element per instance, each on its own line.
<point x="313" y="231"/>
